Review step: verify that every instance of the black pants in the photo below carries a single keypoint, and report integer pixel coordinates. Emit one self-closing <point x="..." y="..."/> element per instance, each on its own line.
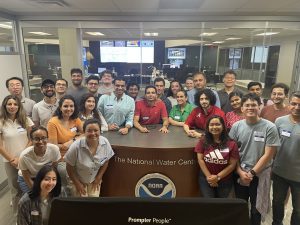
<point x="246" y="193"/>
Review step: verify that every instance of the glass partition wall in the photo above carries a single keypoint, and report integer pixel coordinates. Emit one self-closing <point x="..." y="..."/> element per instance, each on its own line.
<point x="140" y="51"/>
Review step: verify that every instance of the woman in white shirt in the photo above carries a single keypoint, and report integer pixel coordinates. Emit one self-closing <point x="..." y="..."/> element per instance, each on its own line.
<point x="14" y="129"/>
<point x="175" y="86"/>
<point x="88" y="110"/>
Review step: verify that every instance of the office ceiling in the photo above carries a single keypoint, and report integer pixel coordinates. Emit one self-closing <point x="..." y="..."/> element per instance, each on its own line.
<point x="151" y="7"/>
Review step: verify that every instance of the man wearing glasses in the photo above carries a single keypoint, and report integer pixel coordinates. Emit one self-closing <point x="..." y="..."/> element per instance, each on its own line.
<point x="15" y="87"/>
<point x="43" y="110"/>
<point x="92" y="84"/>
<point x="61" y="86"/>
<point x="258" y="140"/>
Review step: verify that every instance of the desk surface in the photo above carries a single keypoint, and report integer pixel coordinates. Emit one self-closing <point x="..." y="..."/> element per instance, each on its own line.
<point x="176" y="138"/>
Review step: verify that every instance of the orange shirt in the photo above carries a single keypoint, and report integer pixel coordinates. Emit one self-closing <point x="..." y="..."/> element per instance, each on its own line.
<point x="59" y="134"/>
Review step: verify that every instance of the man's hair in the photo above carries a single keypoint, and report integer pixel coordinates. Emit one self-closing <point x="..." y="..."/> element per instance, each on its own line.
<point x="14" y="78"/>
<point x="150" y="86"/>
<point x="252" y="97"/>
<point x="159" y="79"/>
<point x="106" y="71"/>
<point x="63" y="80"/>
<point x="209" y="94"/>
<point x="253" y="83"/>
<point x="281" y="85"/>
<point x="229" y="72"/>
<point x="131" y="85"/>
<point x="199" y="73"/>
<point x="92" y="77"/>
<point x="295" y="94"/>
<point x="119" y="79"/>
<point x="189" y="78"/>
<point x="76" y="70"/>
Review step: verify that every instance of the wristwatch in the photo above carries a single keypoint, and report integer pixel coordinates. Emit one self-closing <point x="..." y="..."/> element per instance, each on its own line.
<point x="253" y="172"/>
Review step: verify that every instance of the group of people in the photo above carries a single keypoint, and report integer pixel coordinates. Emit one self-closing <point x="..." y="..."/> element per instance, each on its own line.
<point x="55" y="146"/>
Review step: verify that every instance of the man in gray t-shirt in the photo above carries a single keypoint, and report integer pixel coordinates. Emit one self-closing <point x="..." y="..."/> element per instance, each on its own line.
<point x="76" y="89"/>
<point x="286" y="169"/>
<point x="257" y="139"/>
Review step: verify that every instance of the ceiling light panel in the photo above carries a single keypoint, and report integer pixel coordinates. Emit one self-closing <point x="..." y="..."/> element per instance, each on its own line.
<point x="39" y="33"/>
<point x="266" y="33"/>
<point x="206" y="34"/>
<point x="95" y="33"/>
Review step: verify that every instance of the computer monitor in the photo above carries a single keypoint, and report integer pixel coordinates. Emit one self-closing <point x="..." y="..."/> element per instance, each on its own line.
<point x="146" y="211"/>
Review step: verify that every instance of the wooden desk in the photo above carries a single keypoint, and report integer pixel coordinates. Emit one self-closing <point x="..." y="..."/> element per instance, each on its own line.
<point x="138" y="154"/>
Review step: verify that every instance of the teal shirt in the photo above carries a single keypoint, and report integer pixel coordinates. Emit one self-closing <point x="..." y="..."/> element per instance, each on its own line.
<point x="120" y="112"/>
<point x="179" y="116"/>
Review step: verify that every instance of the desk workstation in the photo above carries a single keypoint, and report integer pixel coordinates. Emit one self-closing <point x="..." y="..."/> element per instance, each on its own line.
<point x="152" y="164"/>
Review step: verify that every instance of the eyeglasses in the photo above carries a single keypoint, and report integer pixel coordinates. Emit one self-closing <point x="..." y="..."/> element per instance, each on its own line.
<point x="48" y="87"/>
<point x="37" y="139"/>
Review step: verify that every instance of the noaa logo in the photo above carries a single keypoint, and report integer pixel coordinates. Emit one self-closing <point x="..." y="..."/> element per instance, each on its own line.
<point x="155" y="185"/>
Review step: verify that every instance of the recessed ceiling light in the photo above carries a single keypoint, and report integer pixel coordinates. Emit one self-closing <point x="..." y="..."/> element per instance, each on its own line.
<point x="95" y="33"/>
<point x="40" y="33"/>
<point x="232" y="38"/>
<point x="207" y="34"/>
<point x="151" y="34"/>
<point x="218" y="42"/>
<point x="6" y="25"/>
<point x="208" y="44"/>
<point x="267" y="33"/>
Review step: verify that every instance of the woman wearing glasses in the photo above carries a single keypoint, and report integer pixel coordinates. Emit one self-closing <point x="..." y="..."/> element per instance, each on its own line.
<point x="33" y="158"/>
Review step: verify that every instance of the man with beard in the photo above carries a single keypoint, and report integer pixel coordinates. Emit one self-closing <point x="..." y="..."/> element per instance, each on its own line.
<point x="159" y="84"/>
<point x="43" y="110"/>
<point x="205" y="100"/>
<point x="76" y="90"/>
<point x="279" y="92"/>
<point x="200" y="84"/>
<point x="15" y="87"/>
<point x="117" y="108"/>
<point x="149" y="111"/>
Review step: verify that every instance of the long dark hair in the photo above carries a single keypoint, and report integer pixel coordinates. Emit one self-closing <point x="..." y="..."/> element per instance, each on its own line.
<point x="58" y="111"/>
<point x="82" y="109"/>
<point x="21" y="116"/>
<point x="36" y="189"/>
<point x="170" y="93"/>
<point x="209" y="140"/>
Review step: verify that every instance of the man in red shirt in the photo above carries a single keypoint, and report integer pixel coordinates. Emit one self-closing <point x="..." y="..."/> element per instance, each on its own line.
<point x="205" y="100"/>
<point x="149" y="111"/>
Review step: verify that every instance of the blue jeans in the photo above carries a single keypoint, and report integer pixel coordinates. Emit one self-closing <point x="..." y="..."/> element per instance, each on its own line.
<point x="246" y="193"/>
<point x="222" y="191"/>
<point x="280" y="189"/>
<point x="23" y="185"/>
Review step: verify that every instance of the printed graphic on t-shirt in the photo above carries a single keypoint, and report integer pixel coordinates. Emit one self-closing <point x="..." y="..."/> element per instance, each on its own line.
<point x="216" y="157"/>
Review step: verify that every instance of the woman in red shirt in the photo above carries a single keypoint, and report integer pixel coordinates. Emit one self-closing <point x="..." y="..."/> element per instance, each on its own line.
<point x="217" y="157"/>
<point x="236" y="114"/>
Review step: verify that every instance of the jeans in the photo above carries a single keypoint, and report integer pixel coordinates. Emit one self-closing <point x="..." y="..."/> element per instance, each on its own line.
<point x="280" y="189"/>
<point x="23" y="185"/>
<point x="222" y="191"/>
<point x="246" y="192"/>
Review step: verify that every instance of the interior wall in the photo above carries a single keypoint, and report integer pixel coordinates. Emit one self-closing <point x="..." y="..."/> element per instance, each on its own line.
<point x="10" y="66"/>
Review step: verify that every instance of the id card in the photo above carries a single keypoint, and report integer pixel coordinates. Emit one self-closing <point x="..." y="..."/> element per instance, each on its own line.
<point x="20" y="129"/>
<point x="286" y="133"/>
<point x="259" y="136"/>
<point x="73" y="129"/>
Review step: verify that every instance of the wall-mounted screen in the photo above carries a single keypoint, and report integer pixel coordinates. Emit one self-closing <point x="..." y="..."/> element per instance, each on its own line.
<point x="131" y="51"/>
<point x="176" y="53"/>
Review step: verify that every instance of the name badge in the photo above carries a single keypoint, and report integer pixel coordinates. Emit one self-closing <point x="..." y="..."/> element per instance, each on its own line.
<point x="286" y="133"/>
<point x="259" y="136"/>
<point x="109" y="106"/>
<point x="177" y="117"/>
<point x="20" y="129"/>
<point x="73" y="129"/>
<point x="35" y="213"/>
<point x="145" y="118"/>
